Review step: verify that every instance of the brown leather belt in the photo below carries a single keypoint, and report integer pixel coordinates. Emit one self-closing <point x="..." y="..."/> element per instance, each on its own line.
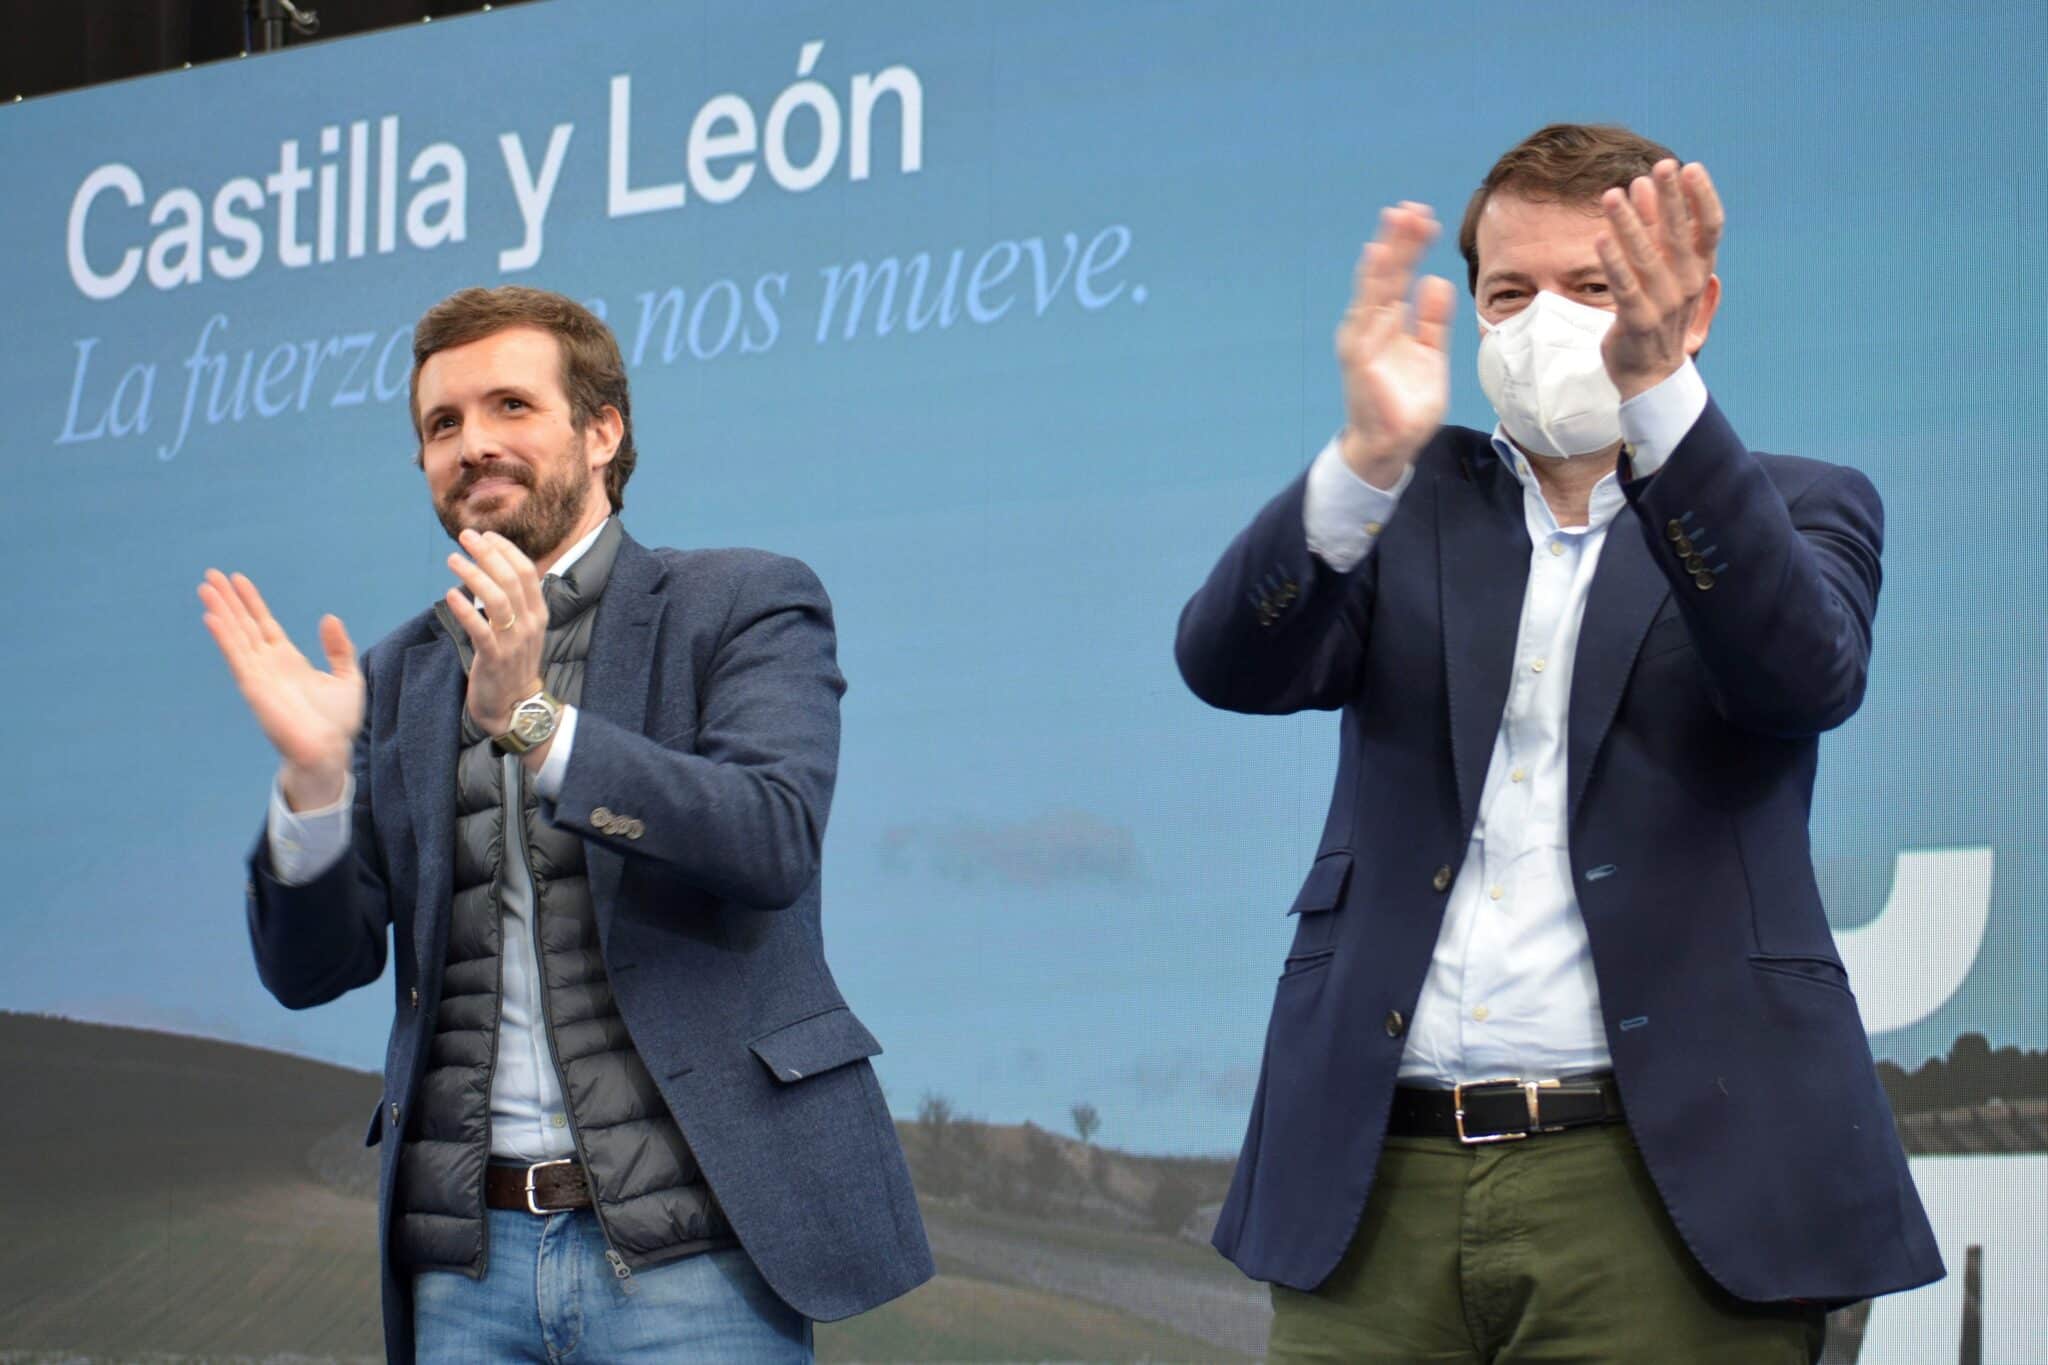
<point x="1505" y="1110"/>
<point x="544" y="1187"/>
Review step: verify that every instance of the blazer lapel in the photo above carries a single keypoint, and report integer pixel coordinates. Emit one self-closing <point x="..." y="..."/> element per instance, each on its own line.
<point x="618" y="672"/>
<point x="1626" y="593"/>
<point x="616" y="677"/>
<point x="1482" y="575"/>
<point x="429" y="731"/>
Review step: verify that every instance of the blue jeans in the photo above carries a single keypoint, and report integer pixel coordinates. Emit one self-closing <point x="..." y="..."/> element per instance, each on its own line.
<point x="549" y="1296"/>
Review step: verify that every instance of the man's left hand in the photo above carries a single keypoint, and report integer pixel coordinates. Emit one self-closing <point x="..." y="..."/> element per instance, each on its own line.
<point x="1662" y="233"/>
<point x="507" y="634"/>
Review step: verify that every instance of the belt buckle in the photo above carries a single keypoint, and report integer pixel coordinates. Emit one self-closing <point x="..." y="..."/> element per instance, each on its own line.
<point x="1528" y="1089"/>
<point x="532" y="1205"/>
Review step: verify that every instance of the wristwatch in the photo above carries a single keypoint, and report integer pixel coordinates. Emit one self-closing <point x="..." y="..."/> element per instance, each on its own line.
<point x="533" y="721"/>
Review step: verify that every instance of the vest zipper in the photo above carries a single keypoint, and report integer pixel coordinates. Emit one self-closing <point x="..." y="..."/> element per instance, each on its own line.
<point x="515" y="809"/>
<point x="490" y="1072"/>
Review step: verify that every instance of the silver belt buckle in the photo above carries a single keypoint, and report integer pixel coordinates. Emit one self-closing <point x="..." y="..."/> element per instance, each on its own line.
<point x="532" y="1206"/>
<point x="1528" y="1088"/>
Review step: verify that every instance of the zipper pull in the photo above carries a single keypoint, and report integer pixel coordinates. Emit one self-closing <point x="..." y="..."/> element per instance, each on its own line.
<point x="620" y="1269"/>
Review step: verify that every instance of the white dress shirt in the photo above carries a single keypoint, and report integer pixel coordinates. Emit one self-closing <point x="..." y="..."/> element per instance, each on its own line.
<point x="528" y="1119"/>
<point x="1510" y="990"/>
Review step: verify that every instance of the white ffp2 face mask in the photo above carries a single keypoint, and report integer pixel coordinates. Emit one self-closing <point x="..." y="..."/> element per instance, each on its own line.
<point x="1541" y="370"/>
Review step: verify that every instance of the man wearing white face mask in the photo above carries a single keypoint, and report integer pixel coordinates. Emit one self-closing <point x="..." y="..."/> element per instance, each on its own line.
<point x="1562" y="1063"/>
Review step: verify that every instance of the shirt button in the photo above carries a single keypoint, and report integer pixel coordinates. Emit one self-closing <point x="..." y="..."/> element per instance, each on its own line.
<point x="1557" y="547"/>
<point x="559" y="1121"/>
<point x="1481" y="1014"/>
<point x="1372" y="528"/>
<point x="1536" y="667"/>
<point x="1518" y="775"/>
<point x="1495" y="892"/>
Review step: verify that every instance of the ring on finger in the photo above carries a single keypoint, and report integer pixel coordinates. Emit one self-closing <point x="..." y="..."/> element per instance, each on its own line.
<point x="511" y="619"/>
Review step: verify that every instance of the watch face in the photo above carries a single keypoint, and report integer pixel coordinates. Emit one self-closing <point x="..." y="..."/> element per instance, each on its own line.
<point x="533" y="720"/>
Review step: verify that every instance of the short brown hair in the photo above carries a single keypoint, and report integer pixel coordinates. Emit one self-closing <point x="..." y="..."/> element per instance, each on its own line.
<point x="1564" y="163"/>
<point x="593" y="371"/>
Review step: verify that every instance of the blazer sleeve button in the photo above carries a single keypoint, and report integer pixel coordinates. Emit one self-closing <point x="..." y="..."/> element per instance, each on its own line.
<point x="1703" y="579"/>
<point x="1674" y="529"/>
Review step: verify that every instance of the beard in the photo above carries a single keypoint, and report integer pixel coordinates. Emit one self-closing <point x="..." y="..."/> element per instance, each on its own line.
<point x="540" y="522"/>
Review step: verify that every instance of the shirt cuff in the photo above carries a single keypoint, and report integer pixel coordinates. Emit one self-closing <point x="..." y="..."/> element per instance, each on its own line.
<point x="304" y="844"/>
<point x="1657" y="419"/>
<point x="1342" y="514"/>
<point x="554" y="769"/>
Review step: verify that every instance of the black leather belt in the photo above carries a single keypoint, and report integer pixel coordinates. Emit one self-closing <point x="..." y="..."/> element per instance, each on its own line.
<point x="544" y="1187"/>
<point x="1505" y="1110"/>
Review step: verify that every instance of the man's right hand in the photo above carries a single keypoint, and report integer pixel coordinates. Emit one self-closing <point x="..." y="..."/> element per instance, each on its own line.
<point x="310" y="716"/>
<point x="1394" y="355"/>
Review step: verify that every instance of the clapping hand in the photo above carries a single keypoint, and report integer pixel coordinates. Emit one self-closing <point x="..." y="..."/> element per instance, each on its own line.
<point x="1658" y="250"/>
<point x="508" y="634"/>
<point x="1394" y="355"/>
<point x="310" y="716"/>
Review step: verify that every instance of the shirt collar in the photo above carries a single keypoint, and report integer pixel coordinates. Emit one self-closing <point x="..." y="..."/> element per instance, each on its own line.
<point x="1605" y="501"/>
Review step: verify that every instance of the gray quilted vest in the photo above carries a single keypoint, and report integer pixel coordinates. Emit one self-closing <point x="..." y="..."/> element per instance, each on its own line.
<point x="650" y="1196"/>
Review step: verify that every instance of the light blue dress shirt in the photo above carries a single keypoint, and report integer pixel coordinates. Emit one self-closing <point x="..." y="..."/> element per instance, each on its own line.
<point x="1510" y="990"/>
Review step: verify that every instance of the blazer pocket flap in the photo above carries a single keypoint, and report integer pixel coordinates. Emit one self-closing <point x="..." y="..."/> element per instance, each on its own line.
<point x="376" y="1133"/>
<point x="1824" y="970"/>
<point x="816" y="1044"/>
<point x="1324" y="887"/>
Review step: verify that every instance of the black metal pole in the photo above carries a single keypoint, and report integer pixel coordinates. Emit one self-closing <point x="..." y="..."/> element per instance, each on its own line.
<point x="1972" y="1346"/>
<point x="272" y="13"/>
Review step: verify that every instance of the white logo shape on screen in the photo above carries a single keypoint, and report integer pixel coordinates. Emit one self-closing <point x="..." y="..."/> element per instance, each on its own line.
<point x="1541" y="370"/>
<point x="1909" y="961"/>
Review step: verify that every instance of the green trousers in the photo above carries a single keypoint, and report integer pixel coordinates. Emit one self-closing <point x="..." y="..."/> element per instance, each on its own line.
<point x="1552" y="1249"/>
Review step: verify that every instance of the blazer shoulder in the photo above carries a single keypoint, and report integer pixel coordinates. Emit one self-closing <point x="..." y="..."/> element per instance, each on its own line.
<point x="1453" y="444"/>
<point x="733" y="570"/>
<point x="1455" y="451"/>
<point x="389" y="652"/>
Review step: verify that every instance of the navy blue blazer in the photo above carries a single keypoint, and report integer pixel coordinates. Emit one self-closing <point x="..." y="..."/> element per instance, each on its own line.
<point x="710" y="717"/>
<point x="1697" y="698"/>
